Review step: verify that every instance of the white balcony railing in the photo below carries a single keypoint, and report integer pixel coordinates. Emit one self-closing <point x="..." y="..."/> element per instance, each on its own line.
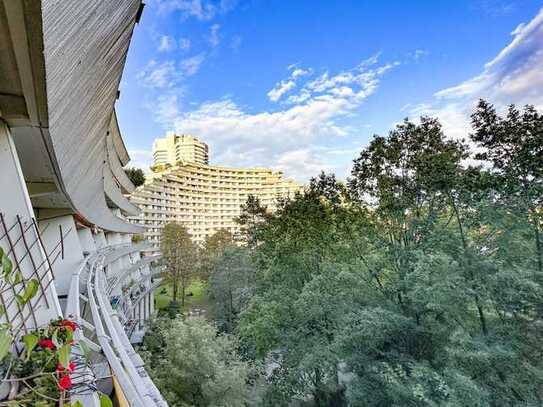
<point x="104" y="325"/>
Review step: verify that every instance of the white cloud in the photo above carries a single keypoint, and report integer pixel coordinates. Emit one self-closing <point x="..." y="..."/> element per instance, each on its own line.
<point x="515" y="75"/>
<point x="288" y="84"/>
<point x="202" y="10"/>
<point x="303" y="162"/>
<point x="418" y="54"/>
<point x="159" y="75"/>
<point x="283" y="138"/>
<point x="184" y="44"/>
<point x="299" y="98"/>
<point x="169" y="75"/>
<point x="167" y="107"/>
<point x="356" y="84"/>
<point x="518" y="29"/>
<point x="191" y="65"/>
<point x="280" y="89"/>
<point x="308" y="162"/>
<point x="166" y="44"/>
<point x="298" y="72"/>
<point x="214" y="38"/>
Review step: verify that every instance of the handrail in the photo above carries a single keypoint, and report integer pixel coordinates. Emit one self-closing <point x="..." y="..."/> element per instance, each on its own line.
<point x="126" y="364"/>
<point x="133" y="354"/>
<point x="130" y="248"/>
<point x="142" y="295"/>
<point x="83" y="374"/>
<point x="120" y="340"/>
<point x="127" y="297"/>
<point x="108" y="316"/>
<point x="126" y="384"/>
<point x="129" y="270"/>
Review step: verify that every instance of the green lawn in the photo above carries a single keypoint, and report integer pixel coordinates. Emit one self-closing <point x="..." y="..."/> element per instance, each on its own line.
<point x="197" y="300"/>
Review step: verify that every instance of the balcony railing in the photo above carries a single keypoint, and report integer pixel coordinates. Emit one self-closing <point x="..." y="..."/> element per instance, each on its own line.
<point x="103" y="324"/>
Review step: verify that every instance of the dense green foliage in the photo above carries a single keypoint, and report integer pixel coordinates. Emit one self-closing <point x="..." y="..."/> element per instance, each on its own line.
<point x="212" y="249"/>
<point x="418" y="284"/>
<point x="135" y="175"/>
<point x="229" y="286"/>
<point x="193" y="366"/>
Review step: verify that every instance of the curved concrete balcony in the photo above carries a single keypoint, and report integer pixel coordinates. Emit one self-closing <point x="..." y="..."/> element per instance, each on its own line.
<point x="102" y="324"/>
<point x="128" y="271"/>
<point x="65" y="62"/>
<point x="113" y="192"/>
<point x="117" y="139"/>
<point x="113" y="253"/>
<point x="83" y="374"/>
<point x="116" y="168"/>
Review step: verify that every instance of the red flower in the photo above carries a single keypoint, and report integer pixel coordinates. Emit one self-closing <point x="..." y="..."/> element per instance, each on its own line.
<point x="46" y="343"/>
<point x="66" y="323"/>
<point x="65" y="382"/>
<point x="71" y="367"/>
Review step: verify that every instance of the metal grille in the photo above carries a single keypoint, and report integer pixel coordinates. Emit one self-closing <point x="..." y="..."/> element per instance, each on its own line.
<point x="21" y="240"/>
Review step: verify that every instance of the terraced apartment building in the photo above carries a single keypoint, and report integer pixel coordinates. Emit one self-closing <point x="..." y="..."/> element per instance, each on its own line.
<point x="204" y="198"/>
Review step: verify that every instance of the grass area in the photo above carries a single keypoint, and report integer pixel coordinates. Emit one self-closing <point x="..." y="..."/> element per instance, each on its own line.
<point x="198" y="299"/>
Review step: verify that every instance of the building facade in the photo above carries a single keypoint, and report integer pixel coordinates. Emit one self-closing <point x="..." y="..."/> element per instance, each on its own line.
<point x="63" y="211"/>
<point x="179" y="148"/>
<point x="204" y="198"/>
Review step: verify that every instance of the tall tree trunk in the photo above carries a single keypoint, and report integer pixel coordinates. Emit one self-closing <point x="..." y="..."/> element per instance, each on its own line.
<point x="182" y="293"/>
<point x="175" y="289"/>
<point x="480" y="309"/>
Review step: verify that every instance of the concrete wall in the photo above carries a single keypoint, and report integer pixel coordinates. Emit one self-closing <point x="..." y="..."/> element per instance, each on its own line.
<point x="100" y="240"/>
<point x="86" y="240"/>
<point x="69" y="260"/>
<point x="14" y="200"/>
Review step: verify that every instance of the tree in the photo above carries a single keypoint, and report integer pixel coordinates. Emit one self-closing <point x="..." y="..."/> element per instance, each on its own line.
<point x="179" y="255"/>
<point x="213" y="248"/>
<point x="135" y="175"/>
<point x="327" y="187"/>
<point x="293" y="310"/>
<point x="253" y="214"/>
<point x="513" y="144"/>
<point x="230" y="286"/>
<point x="193" y="365"/>
<point x="415" y="290"/>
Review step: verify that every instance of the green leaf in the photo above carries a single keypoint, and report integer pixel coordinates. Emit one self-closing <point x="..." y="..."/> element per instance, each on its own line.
<point x="7" y="266"/>
<point x="5" y="343"/>
<point x="105" y="401"/>
<point x="31" y="290"/>
<point x="64" y="355"/>
<point x="2" y="310"/>
<point x="17" y="278"/>
<point x="54" y="338"/>
<point x="20" y="300"/>
<point x="30" y="341"/>
<point x="77" y="403"/>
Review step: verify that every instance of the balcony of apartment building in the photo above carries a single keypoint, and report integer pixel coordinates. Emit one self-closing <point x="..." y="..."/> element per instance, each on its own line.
<point x="63" y="209"/>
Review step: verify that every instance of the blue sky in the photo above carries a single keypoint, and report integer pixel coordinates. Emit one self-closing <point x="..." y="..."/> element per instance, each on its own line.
<point x="302" y="86"/>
